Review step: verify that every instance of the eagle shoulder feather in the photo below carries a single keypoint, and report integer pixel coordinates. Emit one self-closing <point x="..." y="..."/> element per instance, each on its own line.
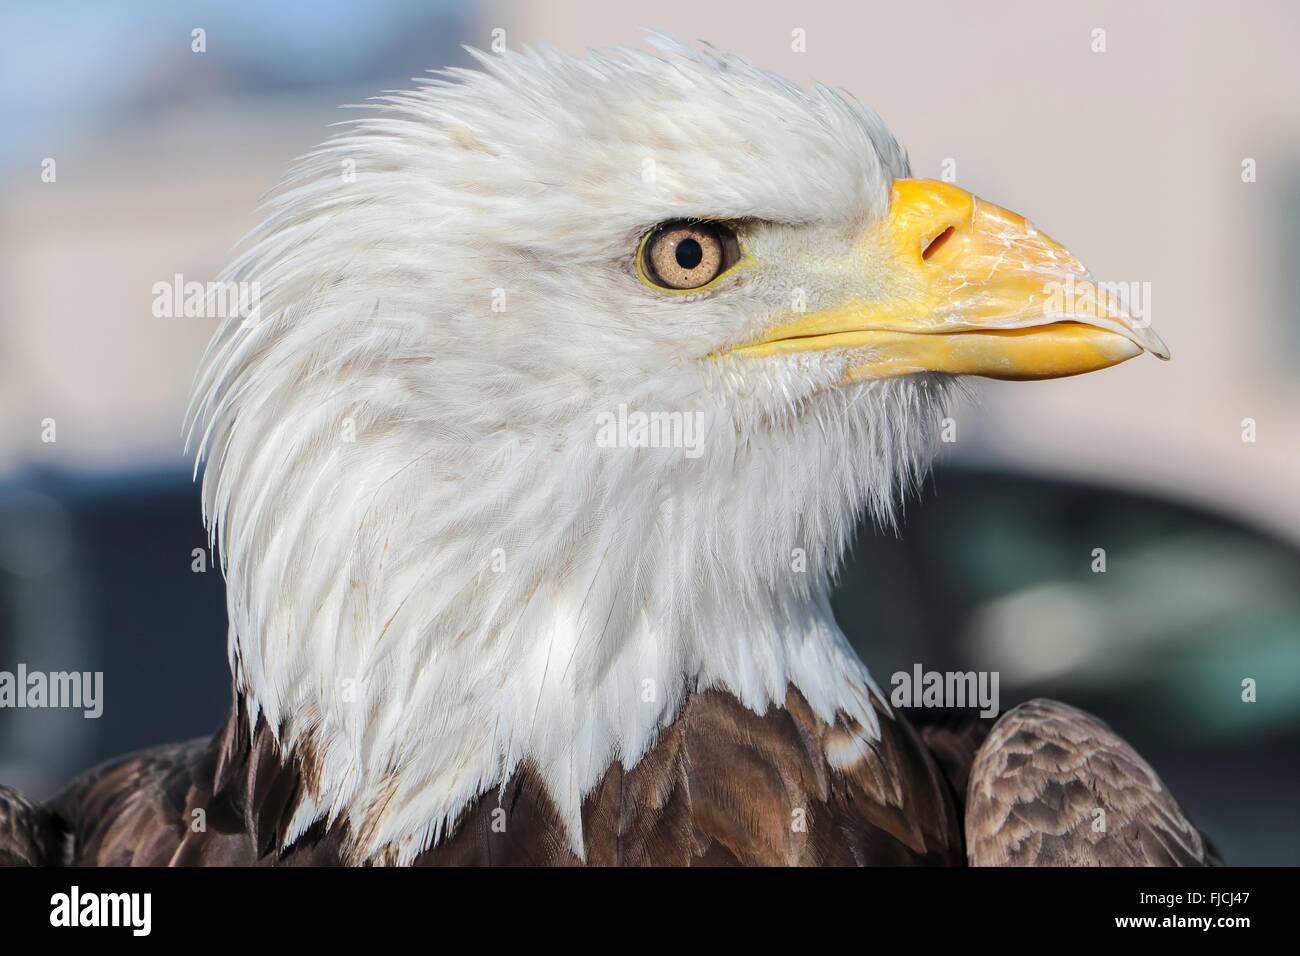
<point x="30" y="835"/>
<point x="1054" y="786"/>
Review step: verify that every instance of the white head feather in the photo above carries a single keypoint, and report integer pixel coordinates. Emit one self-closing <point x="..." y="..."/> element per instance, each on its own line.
<point x="435" y="570"/>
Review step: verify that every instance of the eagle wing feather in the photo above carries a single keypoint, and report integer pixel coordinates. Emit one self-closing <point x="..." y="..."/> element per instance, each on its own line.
<point x="1054" y="786"/>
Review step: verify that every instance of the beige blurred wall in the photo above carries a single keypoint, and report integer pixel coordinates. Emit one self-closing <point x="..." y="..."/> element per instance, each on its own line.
<point x="79" y="343"/>
<point x="1131" y="157"/>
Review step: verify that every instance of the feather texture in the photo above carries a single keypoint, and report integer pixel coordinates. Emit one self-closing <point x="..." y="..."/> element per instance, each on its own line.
<point x="721" y="785"/>
<point x="1054" y="786"/>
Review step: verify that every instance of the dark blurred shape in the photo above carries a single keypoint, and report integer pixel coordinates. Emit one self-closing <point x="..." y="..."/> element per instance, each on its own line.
<point x="96" y="574"/>
<point x="995" y="572"/>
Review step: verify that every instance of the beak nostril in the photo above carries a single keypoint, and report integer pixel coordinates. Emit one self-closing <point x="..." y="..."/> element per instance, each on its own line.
<point x="934" y="244"/>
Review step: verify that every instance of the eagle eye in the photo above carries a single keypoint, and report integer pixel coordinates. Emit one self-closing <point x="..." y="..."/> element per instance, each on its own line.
<point x="687" y="255"/>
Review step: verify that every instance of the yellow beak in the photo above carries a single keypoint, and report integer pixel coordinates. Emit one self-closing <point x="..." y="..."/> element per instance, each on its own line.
<point x="972" y="289"/>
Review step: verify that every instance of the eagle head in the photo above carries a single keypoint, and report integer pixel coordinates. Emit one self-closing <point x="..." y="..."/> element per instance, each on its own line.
<point x="567" y="382"/>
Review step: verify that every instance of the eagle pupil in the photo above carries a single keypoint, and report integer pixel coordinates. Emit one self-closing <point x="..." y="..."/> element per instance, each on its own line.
<point x="689" y="253"/>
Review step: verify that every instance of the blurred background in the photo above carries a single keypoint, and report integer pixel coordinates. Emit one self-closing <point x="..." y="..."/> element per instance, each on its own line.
<point x="1167" y="156"/>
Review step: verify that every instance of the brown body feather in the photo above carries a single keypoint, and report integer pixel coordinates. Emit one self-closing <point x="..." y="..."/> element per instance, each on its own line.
<point x="722" y="785"/>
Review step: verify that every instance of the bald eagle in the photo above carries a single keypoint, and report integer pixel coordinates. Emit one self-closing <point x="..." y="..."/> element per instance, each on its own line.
<point x="567" y="382"/>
